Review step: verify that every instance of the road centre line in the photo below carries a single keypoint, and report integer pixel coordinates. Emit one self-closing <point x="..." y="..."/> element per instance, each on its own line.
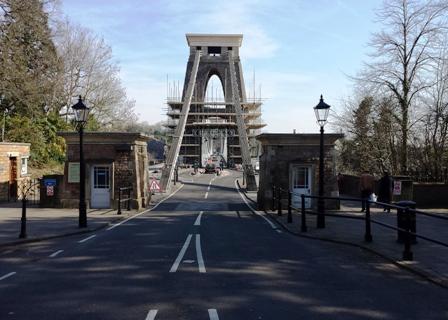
<point x="213" y="314"/>
<point x="198" y="219"/>
<point x="199" y="254"/>
<point x="7" y="275"/>
<point x="151" y="314"/>
<point x="273" y="226"/>
<point x="206" y="195"/>
<point x="181" y="254"/>
<point x="87" y="239"/>
<point x="54" y="254"/>
<point x="143" y="212"/>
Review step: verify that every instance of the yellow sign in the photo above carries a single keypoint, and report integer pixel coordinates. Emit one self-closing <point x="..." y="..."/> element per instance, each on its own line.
<point x="73" y="172"/>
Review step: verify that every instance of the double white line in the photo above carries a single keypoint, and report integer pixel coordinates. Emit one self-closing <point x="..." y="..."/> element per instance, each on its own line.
<point x="181" y="254"/>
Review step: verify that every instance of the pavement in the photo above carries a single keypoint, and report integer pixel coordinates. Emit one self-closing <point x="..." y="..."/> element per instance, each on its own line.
<point x="204" y="254"/>
<point x="430" y="260"/>
<point x="48" y="223"/>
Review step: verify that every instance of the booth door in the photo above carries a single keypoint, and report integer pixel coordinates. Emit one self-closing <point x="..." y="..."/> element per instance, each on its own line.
<point x="301" y="184"/>
<point x="100" y="187"/>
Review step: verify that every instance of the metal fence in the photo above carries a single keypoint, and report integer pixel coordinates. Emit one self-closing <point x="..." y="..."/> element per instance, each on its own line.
<point x="406" y="229"/>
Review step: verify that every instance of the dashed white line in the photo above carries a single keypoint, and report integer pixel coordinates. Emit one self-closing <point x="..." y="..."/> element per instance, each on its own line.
<point x="7" y="275"/>
<point x="198" y="219"/>
<point x="54" y="254"/>
<point x="87" y="239"/>
<point x="143" y="212"/>
<point x="181" y="254"/>
<point x="208" y="189"/>
<point x="206" y="195"/>
<point x="151" y="314"/>
<point x="213" y="314"/>
<point x="199" y="254"/>
<point x="273" y="226"/>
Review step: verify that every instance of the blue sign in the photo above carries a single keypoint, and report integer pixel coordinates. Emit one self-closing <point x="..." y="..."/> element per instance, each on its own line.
<point x="49" y="182"/>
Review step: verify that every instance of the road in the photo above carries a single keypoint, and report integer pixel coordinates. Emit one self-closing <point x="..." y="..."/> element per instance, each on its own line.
<point x="202" y="254"/>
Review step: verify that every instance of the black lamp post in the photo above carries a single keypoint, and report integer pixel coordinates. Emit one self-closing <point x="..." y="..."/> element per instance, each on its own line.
<point x="81" y="114"/>
<point x="321" y="110"/>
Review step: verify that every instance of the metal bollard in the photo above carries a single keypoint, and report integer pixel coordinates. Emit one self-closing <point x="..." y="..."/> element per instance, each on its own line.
<point x="407" y="253"/>
<point x="289" y="207"/>
<point x="303" y="224"/>
<point x="279" y="202"/>
<point x="23" y="219"/>
<point x="119" y="201"/>
<point x="368" y="234"/>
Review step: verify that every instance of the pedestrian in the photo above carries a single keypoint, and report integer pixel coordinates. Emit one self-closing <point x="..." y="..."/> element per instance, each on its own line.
<point x="366" y="185"/>
<point x="385" y="188"/>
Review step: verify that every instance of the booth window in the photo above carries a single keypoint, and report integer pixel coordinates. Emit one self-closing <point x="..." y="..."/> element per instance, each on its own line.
<point x="24" y="166"/>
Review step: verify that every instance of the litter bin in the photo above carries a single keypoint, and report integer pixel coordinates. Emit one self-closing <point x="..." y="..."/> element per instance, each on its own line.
<point x="403" y="220"/>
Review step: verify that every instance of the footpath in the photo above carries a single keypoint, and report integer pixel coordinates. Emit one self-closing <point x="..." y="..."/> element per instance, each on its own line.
<point x="49" y="223"/>
<point x="430" y="260"/>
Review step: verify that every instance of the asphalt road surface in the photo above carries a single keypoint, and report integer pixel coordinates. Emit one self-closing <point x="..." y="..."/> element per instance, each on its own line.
<point x="202" y="254"/>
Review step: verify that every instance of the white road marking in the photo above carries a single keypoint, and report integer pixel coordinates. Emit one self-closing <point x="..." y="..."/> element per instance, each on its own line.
<point x="206" y="195"/>
<point x="54" y="254"/>
<point x="213" y="314"/>
<point x="199" y="254"/>
<point x="87" y="239"/>
<point x="139" y="214"/>
<point x="208" y="189"/>
<point x="181" y="254"/>
<point x="198" y="219"/>
<point x="151" y="314"/>
<point x="7" y="275"/>
<point x="273" y="226"/>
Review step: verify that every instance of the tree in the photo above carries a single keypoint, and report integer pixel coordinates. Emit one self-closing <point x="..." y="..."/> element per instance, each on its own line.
<point x="88" y="69"/>
<point x="28" y="58"/>
<point x="404" y="53"/>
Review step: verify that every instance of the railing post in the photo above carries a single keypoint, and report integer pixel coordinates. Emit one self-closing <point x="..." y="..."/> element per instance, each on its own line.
<point x="273" y="197"/>
<point x="368" y="234"/>
<point x="407" y="253"/>
<point x="289" y="207"/>
<point x="129" y="199"/>
<point x="22" y="234"/>
<point x="279" y="202"/>
<point x="303" y="224"/>
<point x="119" y="201"/>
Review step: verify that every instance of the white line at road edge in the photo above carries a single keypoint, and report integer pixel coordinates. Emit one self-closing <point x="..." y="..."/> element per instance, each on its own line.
<point x="181" y="254"/>
<point x="87" y="239"/>
<point x="213" y="314"/>
<point x="151" y="314"/>
<point x="139" y="214"/>
<point x="198" y="219"/>
<point x="7" y="275"/>
<point x="54" y="254"/>
<point x="199" y="254"/>
<point x="273" y="226"/>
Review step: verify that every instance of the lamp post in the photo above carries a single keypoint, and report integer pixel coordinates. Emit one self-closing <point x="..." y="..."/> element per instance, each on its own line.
<point x="81" y="115"/>
<point x="321" y="111"/>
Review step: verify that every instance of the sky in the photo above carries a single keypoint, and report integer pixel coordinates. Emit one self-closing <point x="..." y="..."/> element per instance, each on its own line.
<point x="297" y="49"/>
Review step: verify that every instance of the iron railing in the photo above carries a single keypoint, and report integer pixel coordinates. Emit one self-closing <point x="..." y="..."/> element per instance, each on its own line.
<point x="407" y="211"/>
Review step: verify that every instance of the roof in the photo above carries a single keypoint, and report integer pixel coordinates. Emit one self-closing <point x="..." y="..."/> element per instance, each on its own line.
<point x="297" y="138"/>
<point x="104" y="137"/>
<point x="214" y="40"/>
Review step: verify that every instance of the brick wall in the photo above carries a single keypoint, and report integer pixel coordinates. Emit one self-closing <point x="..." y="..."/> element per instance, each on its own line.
<point x="8" y="150"/>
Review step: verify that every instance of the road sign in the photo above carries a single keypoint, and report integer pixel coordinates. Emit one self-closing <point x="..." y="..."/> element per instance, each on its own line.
<point x="397" y="188"/>
<point x="50" y="191"/>
<point x="154" y="186"/>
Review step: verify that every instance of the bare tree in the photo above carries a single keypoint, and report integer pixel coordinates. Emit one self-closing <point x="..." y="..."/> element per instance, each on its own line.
<point x="404" y="52"/>
<point x="89" y="70"/>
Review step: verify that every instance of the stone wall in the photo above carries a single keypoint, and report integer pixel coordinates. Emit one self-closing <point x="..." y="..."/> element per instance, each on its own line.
<point x="10" y="150"/>
<point x="280" y="152"/>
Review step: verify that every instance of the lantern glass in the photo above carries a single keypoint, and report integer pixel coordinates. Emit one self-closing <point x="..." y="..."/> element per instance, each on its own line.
<point x="81" y="112"/>
<point x="322" y="110"/>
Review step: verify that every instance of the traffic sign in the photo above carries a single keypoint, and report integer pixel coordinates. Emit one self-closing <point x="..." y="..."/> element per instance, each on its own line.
<point x="154" y="186"/>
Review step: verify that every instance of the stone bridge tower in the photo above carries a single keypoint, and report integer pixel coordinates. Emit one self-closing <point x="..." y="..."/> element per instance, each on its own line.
<point x="195" y="122"/>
